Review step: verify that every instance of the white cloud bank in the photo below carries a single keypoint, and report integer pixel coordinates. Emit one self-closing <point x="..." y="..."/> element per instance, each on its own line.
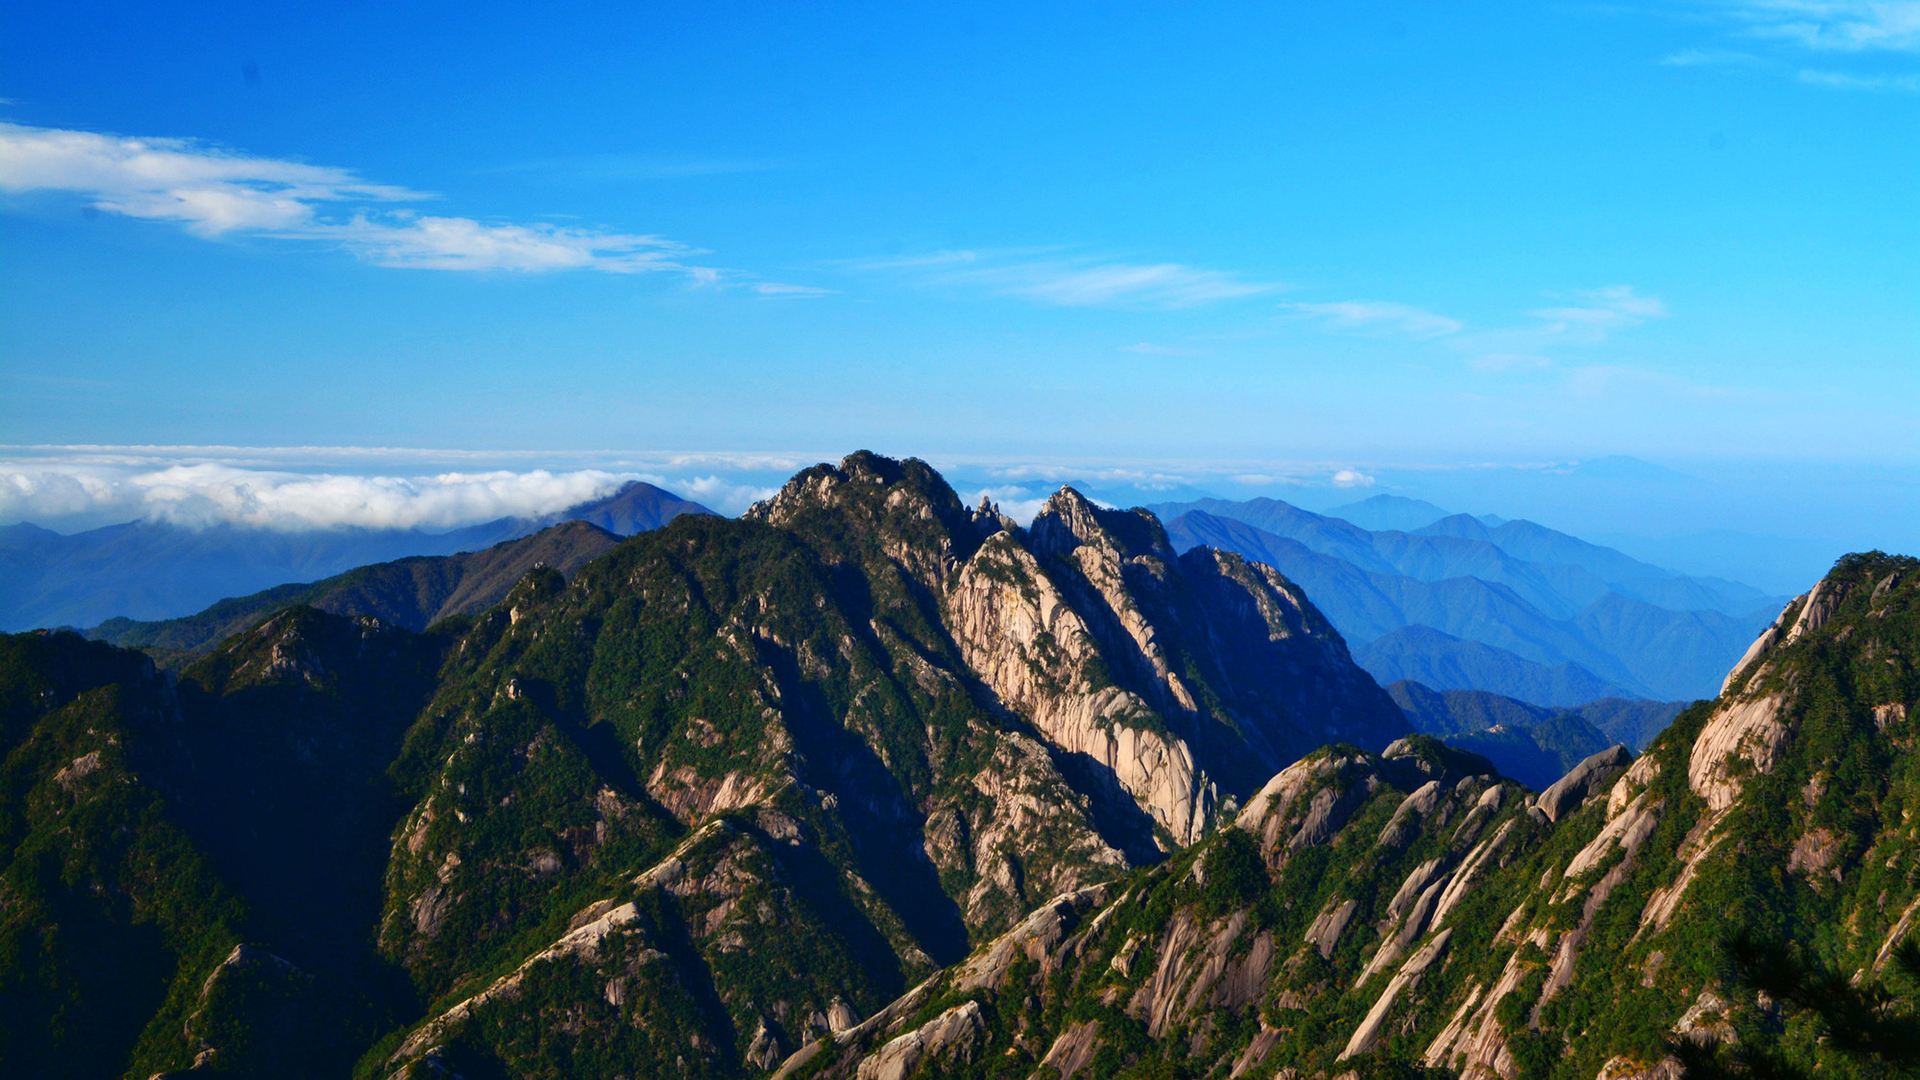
<point x="293" y="488"/>
<point x="207" y="494"/>
<point x="214" y="192"/>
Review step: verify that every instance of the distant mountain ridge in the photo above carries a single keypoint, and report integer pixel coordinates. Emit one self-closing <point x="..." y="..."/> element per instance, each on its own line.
<point x="154" y="570"/>
<point x="411" y="593"/>
<point x="1389" y="512"/>
<point x="1513" y="608"/>
<point x="1527" y="742"/>
<point x="1424" y="655"/>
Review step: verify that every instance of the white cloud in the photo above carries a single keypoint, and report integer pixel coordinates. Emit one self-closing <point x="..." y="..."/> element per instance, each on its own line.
<point x="1017" y="503"/>
<point x="786" y="290"/>
<point x="1778" y="36"/>
<point x="1599" y="312"/>
<point x="294" y="488"/>
<point x="1378" y="315"/>
<point x="1148" y="479"/>
<point x="720" y="493"/>
<point x="444" y="243"/>
<point x="206" y="494"/>
<point x="1061" y="280"/>
<point x="1352" y="478"/>
<point x="212" y="192"/>
<point x="1585" y="318"/>
<point x="1834" y="25"/>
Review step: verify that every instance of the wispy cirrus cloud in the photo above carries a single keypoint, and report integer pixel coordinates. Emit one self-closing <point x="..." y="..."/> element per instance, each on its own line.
<point x="1584" y="315"/>
<point x="213" y="192"/>
<point x="790" y="291"/>
<point x="1059" y="279"/>
<point x="1581" y="319"/>
<point x="1862" y="44"/>
<point x="1593" y="314"/>
<point x="1847" y="26"/>
<point x="1380" y="316"/>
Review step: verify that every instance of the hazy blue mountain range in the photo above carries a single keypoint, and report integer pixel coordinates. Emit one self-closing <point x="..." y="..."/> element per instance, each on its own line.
<point x="156" y="570"/>
<point x="1425" y="655"/>
<point x="1511" y="607"/>
<point x="1389" y="512"/>
<point x="1530" y="743"/>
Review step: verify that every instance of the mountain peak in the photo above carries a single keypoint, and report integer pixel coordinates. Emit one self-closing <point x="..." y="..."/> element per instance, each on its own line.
<point x="863" y="479"/>
<point x="635" y="508"/>
<point x="1389" y="512"/>
<point x="1875" y="572"/>
<point x="1070" y="519"/>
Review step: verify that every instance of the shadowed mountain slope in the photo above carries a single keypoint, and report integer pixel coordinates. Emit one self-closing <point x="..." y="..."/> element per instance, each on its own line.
<point x="413" y="593"/>
<point x="1531" y="743"/>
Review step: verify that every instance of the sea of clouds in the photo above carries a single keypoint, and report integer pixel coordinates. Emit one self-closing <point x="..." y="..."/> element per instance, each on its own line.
<point x="291" y="489"/>
<point x="69" y="488"/>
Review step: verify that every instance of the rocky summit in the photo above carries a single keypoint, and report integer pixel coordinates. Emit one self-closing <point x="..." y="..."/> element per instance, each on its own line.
<point x="721" y="795"/>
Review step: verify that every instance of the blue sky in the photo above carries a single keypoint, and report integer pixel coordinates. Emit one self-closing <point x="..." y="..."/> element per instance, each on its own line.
<point x="1253" y="237"/>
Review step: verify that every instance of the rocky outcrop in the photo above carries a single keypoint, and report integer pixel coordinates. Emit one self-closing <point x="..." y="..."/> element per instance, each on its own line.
<point x="1037" y="654"/>
<point x="1073" y="1050"/>
<point x="1746" y="729"/>
<point x="1591" y="775"/>
<point x="1038" y="937"/>
<point x="1324" y="934"/>
<point x="1306" y="801"/>
<point x="1370" y="1028"/>
<point x="952" y="1039"/>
